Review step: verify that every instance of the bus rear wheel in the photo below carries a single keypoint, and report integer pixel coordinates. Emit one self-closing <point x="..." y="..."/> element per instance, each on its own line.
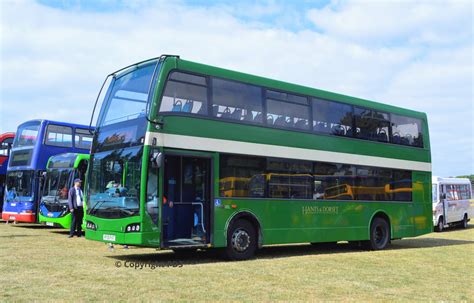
<point x="464" y="221"/>
<point x="379" y="234"/>
<point x="241" y="241"/>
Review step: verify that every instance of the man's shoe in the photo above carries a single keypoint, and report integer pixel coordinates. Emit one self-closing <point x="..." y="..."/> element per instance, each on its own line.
<point x="70" y="236"/>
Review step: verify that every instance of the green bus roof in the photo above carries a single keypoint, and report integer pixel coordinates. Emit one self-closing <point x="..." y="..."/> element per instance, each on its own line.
<point x="66" y="160"/>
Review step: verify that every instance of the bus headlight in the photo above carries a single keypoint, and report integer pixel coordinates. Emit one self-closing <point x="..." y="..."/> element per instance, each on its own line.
<point x="135" y="227"/>
<point x="91" y="225"/>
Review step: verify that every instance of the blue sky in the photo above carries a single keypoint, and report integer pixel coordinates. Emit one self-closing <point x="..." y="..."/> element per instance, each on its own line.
<point x="414" y="54"/>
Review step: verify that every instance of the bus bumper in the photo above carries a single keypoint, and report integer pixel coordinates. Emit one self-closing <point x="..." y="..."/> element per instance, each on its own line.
<point x="120" y="231"/>
<point x="64" y="222"/>
<point x="13" y="216"/>
<point x="115" y="237"/>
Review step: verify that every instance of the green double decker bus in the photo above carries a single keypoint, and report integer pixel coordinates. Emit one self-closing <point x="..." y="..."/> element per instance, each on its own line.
<point x="190" y="156"/>
<point x="61" y="171"/>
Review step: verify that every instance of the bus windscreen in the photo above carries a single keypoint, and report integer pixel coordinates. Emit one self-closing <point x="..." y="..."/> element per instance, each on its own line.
<point x="19" y="184"/>
<point x="27" y="134"/>
<point x="128" y="95"/>
<point x="57" y="184"/>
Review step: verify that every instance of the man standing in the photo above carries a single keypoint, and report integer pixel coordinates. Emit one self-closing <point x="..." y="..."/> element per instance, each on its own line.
<point x="76" y="202"/>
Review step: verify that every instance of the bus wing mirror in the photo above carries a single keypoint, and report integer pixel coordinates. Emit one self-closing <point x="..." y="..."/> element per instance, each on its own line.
<point x="443" y="196"/>
<point x="157" y="159"/>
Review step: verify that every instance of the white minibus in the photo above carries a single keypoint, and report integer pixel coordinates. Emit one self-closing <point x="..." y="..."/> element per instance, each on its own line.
<point x="452" y="204"/>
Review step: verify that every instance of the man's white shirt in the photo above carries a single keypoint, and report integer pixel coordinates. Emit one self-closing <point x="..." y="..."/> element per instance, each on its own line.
<point x="78" y="197"/>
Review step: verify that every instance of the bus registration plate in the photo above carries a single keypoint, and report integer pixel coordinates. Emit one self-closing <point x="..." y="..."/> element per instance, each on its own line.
<point x="108" y="237"/>
<point x="50" y="223"/>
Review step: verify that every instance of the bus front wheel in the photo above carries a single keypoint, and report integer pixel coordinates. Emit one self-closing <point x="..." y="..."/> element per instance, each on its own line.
<point x="241" y="241"/>
<point x="440" y="226"/>
<point x="379" y="234"/>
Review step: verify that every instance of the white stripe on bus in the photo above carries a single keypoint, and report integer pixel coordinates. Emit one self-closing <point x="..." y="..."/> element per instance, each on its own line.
<point x="268" y="150"/>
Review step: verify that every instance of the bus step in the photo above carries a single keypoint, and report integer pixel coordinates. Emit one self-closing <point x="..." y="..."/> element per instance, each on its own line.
<point x="184" y="246"/>
<point x="185" y="243"/>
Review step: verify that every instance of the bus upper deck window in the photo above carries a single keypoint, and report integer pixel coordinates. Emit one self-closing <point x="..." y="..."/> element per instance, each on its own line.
<point x="406" y="131"/>
<point x="185" y="93"/>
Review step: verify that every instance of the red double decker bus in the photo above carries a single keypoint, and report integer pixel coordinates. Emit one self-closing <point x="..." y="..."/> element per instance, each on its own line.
<point x="6" y="141"/>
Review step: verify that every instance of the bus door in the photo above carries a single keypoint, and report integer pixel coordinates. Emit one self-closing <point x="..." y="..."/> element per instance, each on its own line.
<point x="186" y="201"/>
<point x="37" y="193"/>
<point x="444" y="202"/>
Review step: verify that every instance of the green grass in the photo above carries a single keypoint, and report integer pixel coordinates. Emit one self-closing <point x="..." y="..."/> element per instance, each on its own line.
<point x="42" y="264"/>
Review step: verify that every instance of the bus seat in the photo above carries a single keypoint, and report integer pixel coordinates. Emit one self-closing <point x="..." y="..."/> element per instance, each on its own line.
<point x="357" y="132"/>
<point x="237" y="114"/>
<point x="227" y="113"/>
<point x="280" y="121"/>
<point x="396" y="138"/>
<point x="188" y="106"/>
<point x="258" y="117"/>
<point x="270" y="120"/>
<point x="248" y="116"/>
<point x="338" y="129"/>
<point x="177" y="106"/>
<point x="383" y="137"/>
<point x="301" y="124"/>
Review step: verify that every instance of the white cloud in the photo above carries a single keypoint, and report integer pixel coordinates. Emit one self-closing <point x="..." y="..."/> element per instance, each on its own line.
<point x="434" y="21"/>
<point x="53" y="61"/>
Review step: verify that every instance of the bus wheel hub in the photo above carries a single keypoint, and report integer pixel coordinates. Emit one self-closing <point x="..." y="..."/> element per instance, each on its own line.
<point x="240" y="240"/>
<point x="379" y="235"/>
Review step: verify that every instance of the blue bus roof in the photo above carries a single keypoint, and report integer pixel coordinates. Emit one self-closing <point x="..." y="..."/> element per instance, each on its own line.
<point x="46" y="121"/>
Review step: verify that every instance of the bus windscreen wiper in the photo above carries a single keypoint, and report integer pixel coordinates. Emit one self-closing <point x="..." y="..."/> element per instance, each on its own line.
<point x="127" y="211"/>
<point x="100" y="202"/>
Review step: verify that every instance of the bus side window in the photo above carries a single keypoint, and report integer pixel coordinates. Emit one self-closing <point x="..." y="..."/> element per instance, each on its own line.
<point x="435" y="192"/>
<point x="185" y="93"/>
<point x="467" y="192"/>
<point x="451" y="192"/>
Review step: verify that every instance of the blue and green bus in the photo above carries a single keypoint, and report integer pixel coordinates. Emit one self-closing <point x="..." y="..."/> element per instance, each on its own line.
<point x="202" y="157"/>
<point x="61" y="171"/>
<point x="35" y="142"/>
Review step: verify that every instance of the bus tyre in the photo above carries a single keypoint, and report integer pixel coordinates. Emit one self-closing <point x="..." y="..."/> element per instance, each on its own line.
<point x="379" y="234"/>
<point x="464" y="221"/>
<point x="440" y="226"/>
<point x="241" y="241"/>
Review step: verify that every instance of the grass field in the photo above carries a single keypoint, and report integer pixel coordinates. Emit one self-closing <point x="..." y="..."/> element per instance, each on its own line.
<point x="39" y="263"/>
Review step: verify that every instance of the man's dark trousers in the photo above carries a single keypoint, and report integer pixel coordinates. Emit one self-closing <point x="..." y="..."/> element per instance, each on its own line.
<point x="76" y="223"/>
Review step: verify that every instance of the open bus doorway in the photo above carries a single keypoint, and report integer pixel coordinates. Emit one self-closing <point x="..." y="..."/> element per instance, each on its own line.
<point x="186" y="201"/>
